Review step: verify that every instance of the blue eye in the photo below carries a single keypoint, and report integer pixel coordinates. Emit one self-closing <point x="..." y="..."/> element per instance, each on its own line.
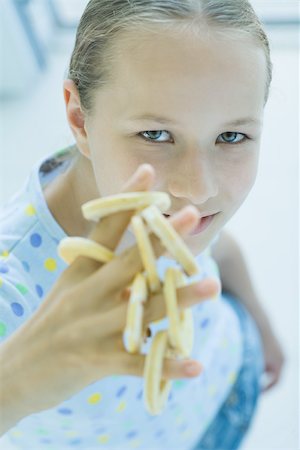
<point x="154" y="135"/>
<point x="231" y="136"/>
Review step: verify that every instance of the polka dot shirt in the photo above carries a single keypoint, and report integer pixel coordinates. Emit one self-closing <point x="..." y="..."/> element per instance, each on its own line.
<point x="110" y="413"/>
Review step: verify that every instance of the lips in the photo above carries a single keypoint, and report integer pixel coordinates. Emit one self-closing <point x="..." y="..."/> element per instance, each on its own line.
<point x="203" y="223"/>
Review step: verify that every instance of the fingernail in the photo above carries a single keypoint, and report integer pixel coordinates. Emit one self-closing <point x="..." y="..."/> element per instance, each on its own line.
<point x="140" y="172"/>
<point x="187" y="210"/>
<point x="205" y="287"/>
<point x="140" y="176"/>
<point x="192" y="369"/>
<point x="186" y="222"/>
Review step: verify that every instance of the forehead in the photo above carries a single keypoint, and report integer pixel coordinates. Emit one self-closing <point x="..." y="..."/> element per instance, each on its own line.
<point x="169" y="68"/>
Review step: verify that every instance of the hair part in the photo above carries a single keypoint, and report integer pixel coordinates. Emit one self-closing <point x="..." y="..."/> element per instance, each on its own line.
<point x="104" y="21"/>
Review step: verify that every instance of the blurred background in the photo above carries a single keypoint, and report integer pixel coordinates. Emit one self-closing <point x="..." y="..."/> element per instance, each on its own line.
<point x="36" y="40"/>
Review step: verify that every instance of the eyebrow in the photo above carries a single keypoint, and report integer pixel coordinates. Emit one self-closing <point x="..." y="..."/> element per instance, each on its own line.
<point x="245" y="121"/>
<point x="163" y="120"/>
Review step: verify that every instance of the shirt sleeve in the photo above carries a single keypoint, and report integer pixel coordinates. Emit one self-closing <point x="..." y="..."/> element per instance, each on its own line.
<point x="18" y="298"/>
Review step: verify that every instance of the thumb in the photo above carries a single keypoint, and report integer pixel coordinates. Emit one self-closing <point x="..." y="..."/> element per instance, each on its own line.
<point x="172" y="369"/>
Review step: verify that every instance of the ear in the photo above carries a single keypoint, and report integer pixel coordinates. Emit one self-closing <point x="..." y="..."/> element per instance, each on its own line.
<point x="75" y="116"/>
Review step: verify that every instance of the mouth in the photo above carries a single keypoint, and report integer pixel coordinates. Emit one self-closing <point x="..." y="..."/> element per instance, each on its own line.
<point x="203" y="223"/>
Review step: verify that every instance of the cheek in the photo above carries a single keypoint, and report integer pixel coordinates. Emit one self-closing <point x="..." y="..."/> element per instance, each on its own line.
<point x="240" y="180"/>
<point x="112" y="168"/>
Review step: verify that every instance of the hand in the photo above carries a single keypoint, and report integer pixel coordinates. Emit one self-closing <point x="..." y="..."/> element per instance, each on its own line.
<point x="274" y="358"/>
<point x="76" y="336"/>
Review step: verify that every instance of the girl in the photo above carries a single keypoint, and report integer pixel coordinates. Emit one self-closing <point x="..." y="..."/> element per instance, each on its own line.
<point x="160" y="95"/>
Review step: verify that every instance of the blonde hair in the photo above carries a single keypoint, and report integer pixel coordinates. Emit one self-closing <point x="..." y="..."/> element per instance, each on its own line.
<point x="103" y="21"/>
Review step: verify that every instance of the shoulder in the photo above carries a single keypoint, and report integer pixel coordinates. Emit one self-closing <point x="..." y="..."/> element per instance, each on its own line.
<point x="226" y="247"/>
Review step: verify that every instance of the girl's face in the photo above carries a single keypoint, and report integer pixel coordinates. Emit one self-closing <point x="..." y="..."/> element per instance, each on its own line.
<point x="193" y="109"/>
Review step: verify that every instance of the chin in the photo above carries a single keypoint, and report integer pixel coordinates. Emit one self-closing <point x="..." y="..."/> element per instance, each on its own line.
<point x="199" y="242"/>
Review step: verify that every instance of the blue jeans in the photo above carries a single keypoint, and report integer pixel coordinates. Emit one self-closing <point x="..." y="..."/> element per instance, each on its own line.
<point x="233" y="420"/>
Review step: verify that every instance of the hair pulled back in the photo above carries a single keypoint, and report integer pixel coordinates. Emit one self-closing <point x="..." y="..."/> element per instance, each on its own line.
<point x="103" y="21"/>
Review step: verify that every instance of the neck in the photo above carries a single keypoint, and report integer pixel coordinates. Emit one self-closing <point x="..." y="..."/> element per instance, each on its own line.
<point x="68" y="192"/>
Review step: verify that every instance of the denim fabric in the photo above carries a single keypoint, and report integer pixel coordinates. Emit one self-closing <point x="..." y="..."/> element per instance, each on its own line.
<point x="233" y="420"/>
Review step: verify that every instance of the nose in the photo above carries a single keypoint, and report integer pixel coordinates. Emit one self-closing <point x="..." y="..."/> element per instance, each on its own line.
<point x="195" y="179"/>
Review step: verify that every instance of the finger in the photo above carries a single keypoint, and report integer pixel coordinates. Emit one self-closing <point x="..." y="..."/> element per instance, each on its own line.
<point x="155" y="308"/>
<point x="128" y="263"/>
<point x="109" y="230"/>
<point x="270" y="378"/>
<point x="173" y="369"/>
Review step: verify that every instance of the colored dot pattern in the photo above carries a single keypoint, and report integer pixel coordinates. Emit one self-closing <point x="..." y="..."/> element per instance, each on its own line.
<point x="42" y="431"/>
<point x="65" y="411"/>
<point x="21" y="288"/>
<point x="3" y="329"/>
<point x="94" y="398"/>
<point x="30" y="210"/>
<point x="26" y="266"/>
<point x="131" y="433"/>
<point x="36" y="240"/>
<point x="111" y="413"/>
<point x="121" y="407"/>
<point x="39" y="290"/>
<point x="204" y="322"/>
<point x="121" y="391"/>
<point x="50" y="264"/>
<point x="75" y="442"/>
<point x="3" y="267"/>
<point x="17" y="309"/>
<point x="103" y="439"/>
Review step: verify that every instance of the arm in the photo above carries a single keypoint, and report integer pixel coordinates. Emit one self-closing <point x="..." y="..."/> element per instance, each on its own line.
<point x="12" y="405"/>
<point x="236" y="280"/>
